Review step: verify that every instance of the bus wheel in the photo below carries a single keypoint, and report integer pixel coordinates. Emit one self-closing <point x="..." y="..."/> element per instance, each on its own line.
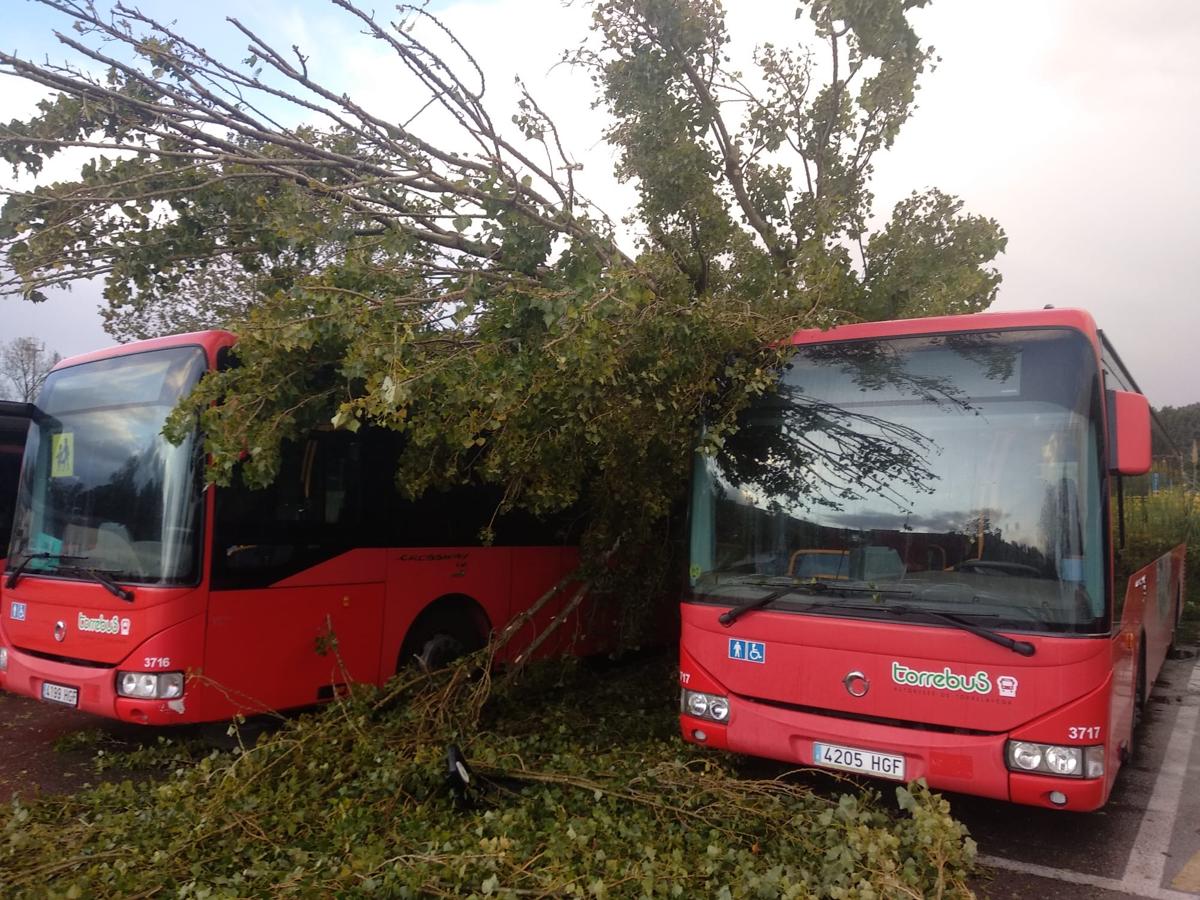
<point x="439" y="651"/>
<point x="446" y="631"/>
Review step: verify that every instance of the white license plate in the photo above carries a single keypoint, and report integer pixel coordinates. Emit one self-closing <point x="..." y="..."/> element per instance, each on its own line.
<point x="853" y="759"/>
<point x="60" y="693"/>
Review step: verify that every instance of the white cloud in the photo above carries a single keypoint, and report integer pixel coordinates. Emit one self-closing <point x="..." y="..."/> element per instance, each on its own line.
<point x="69" y="323"/>
<point x="1074" y="123"/>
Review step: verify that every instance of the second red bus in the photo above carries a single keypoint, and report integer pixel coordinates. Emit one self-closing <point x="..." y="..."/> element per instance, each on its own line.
<point x="134" y="591"/>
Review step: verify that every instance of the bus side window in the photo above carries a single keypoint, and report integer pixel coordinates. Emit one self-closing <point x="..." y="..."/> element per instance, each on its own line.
<point x="318" y="485"/>
<point x="1149" y="513"/>
<point x="311" y="512"/>
<point x="1121" y="571"/>
<point x="337" y="474"/>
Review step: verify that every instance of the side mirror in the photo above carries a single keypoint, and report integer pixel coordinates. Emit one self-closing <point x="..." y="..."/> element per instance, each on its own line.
<point x="1128" y="433"/>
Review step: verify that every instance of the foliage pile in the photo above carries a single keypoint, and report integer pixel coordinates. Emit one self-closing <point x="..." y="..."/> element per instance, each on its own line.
<point x="580" y="789"/>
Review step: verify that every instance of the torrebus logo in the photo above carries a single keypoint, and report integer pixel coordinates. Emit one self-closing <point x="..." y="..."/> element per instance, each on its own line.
<point x="102" y="625"/>
<point x="945" y="680"/>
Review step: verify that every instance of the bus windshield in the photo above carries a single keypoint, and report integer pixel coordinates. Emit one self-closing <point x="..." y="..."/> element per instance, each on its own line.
<point x="959" y="473"/>
<point x="101" y="488"/>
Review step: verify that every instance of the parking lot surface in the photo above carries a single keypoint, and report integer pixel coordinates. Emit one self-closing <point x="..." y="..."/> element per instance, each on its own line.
<point x="1144" y="843"/>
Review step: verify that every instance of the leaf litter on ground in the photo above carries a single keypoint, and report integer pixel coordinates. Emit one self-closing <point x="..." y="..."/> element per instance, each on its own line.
<point x="570" y="781"/>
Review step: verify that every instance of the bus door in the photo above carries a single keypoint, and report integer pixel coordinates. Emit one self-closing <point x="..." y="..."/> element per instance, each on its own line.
<point x="296" y="606"/>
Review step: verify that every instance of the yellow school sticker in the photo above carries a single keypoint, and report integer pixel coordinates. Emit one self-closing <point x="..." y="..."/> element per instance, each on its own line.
<point x="62" y="455"/>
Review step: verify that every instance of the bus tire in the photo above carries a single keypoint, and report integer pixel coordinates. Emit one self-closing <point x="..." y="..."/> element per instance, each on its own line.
<point x="446" y="630"/>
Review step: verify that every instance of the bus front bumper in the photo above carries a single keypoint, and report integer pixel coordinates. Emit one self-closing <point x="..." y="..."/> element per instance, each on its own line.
<point x="85" y="688"/>
<point x="965" y="763"/>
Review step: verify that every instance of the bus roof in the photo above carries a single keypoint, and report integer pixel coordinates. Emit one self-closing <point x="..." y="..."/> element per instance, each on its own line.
<point x="1078" y="319"/>
<point x="211" y="341"/>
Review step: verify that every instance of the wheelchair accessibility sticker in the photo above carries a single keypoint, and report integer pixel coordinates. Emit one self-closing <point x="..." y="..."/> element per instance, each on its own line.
<point x="747" y="651"/>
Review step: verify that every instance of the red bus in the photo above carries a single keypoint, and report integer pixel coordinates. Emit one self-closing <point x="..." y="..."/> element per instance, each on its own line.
<point x="133" y="591"/>
<point x="925" y="554"/>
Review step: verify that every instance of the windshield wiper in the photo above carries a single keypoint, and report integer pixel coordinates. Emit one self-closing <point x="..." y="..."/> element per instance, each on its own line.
<point x="810" y="586"/>
<point x="833" y="585"/>
<point x="829" y="585"/>
<point x="730" y="616"/>
<point x="15" y="575"/>
<point x="1022" y="647"/>
<point x="102" y="577"/>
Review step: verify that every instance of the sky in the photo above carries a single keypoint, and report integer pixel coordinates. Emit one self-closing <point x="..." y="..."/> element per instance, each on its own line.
<point x="1076" y="124"/>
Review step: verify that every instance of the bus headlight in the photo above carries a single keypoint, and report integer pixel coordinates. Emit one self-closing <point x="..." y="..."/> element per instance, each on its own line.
<point x="1054" y="759"/>
<point x="170" y="685"/>
<point x="3" y="659"/>
<point x="705" y="706"/>
<point x="1064" y="760"/>
<point x="150" y="685"/>
<point x="1024" y="755"/>
<point x="718" y="708"/>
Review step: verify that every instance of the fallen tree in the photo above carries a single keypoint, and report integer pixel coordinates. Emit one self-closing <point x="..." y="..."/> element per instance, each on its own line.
<point x="573" y="786"/>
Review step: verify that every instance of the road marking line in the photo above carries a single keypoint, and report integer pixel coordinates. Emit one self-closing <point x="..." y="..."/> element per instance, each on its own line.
<point x="1188" y="878"/>
<point x="1096" y="881"/>
<point x="1147" y="862"/>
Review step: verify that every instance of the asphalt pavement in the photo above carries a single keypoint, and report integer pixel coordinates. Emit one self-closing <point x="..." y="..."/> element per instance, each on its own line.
<point x="1144" y="843"/>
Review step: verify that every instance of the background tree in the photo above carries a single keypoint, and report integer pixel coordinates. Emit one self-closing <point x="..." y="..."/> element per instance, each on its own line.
<point x="459" y="288"/>
<point x="1182" y="425"/>
<point x="24" y="364"/>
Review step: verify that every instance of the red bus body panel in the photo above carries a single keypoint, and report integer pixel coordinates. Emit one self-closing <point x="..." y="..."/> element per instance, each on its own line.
<point x="1076" y="319"/>
<point x="954" y="739"/>
<point x="254" y="651"/>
